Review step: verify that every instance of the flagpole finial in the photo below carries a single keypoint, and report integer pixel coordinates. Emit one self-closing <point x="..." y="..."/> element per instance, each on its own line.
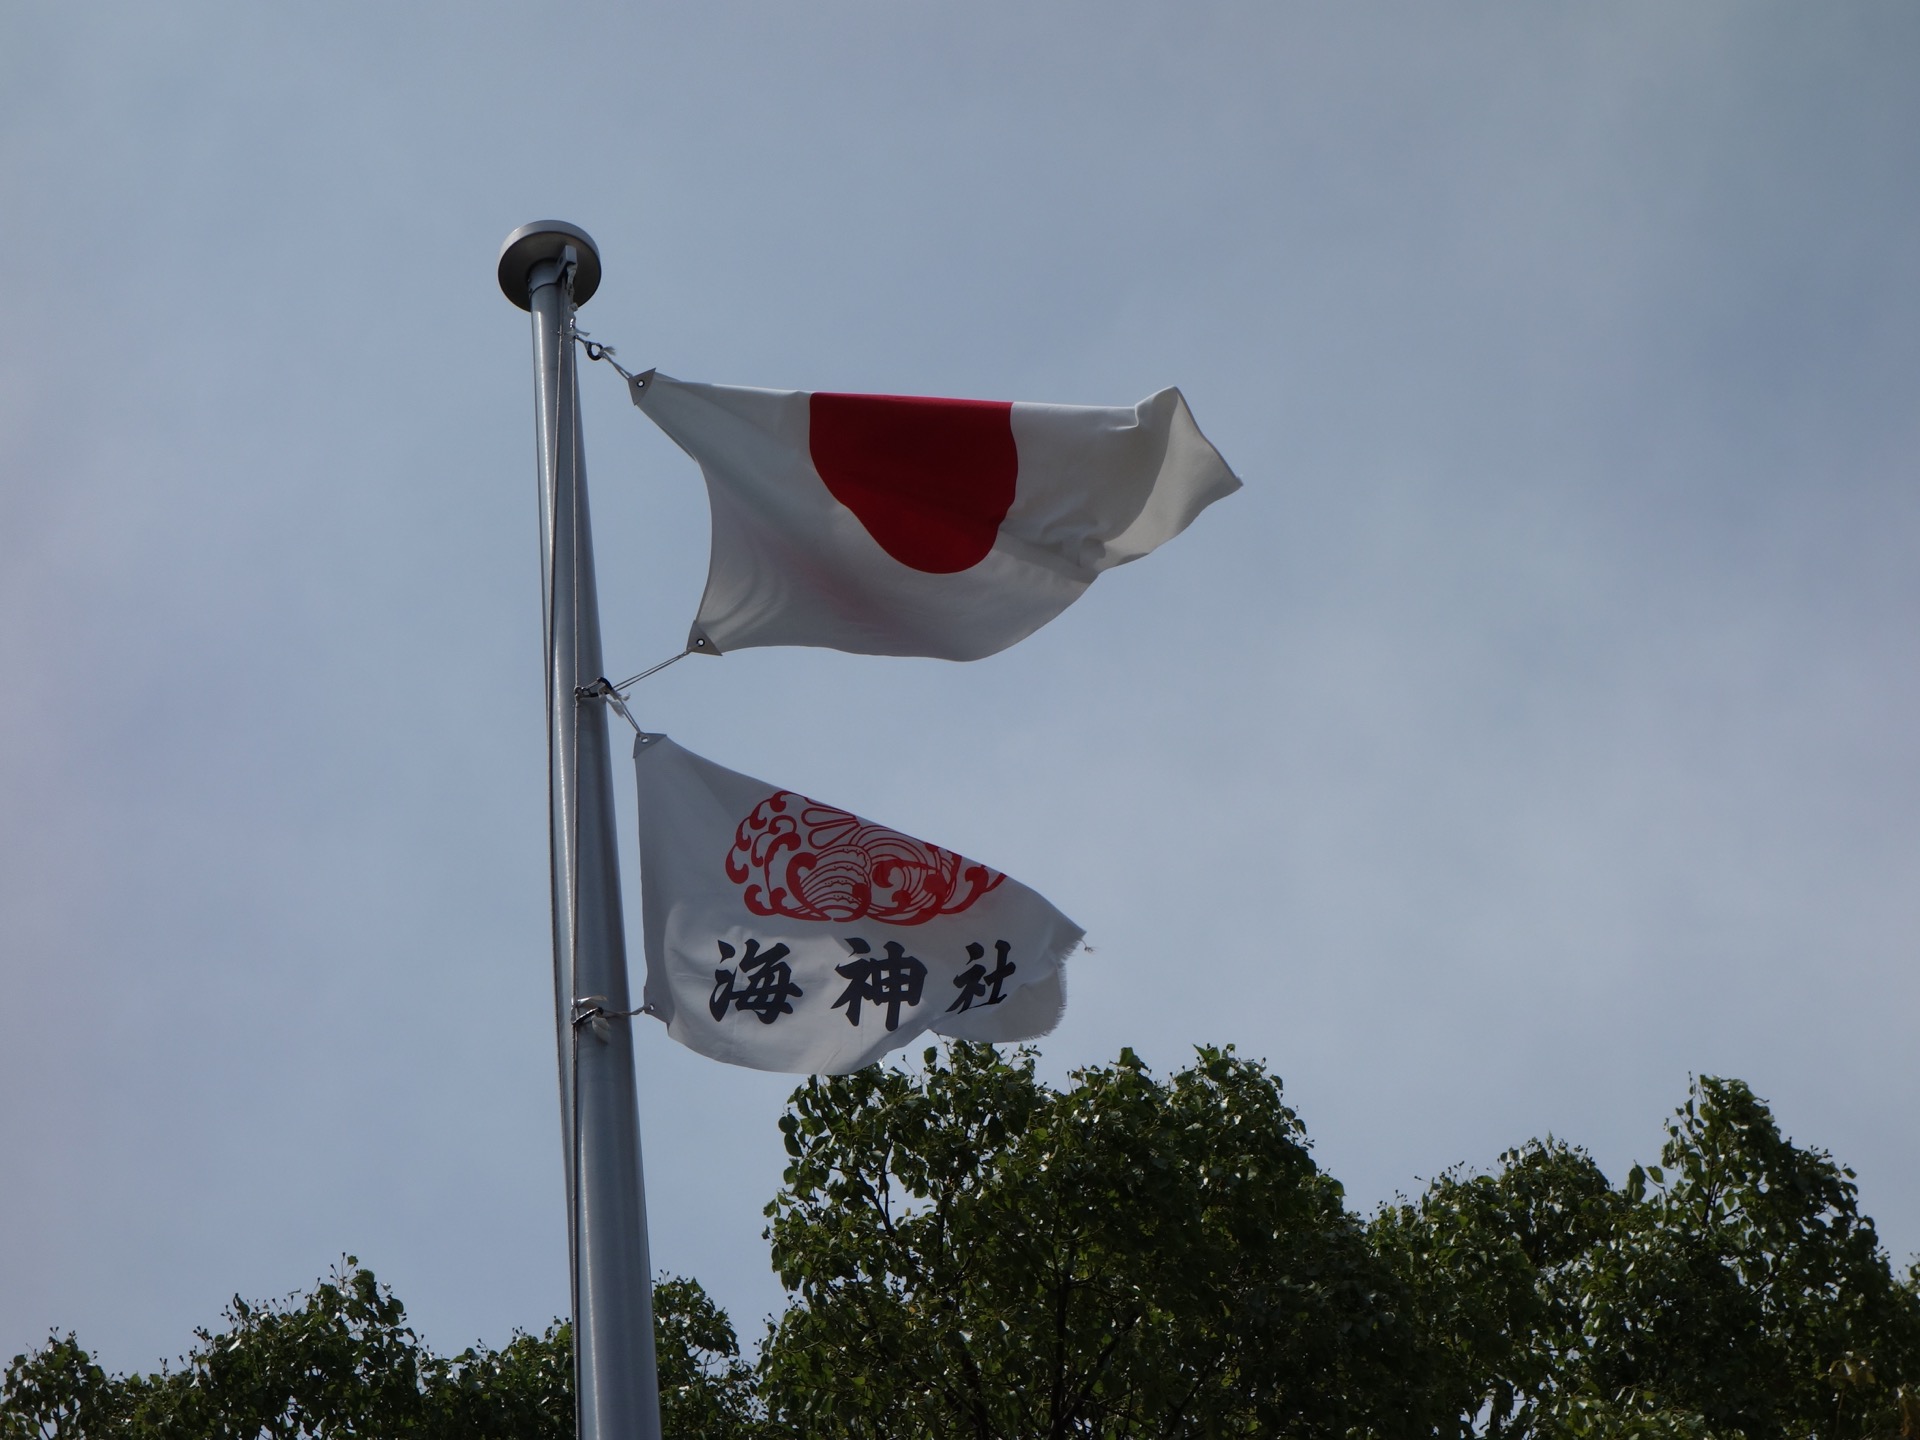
<point x="544" y="240"/>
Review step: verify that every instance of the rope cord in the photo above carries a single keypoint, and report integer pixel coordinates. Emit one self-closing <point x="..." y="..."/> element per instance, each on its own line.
<point x="587" y="1011"/>
<point x="563" y="424"/>
<point x="697" y="647"/>
<point x="636" y="384"/>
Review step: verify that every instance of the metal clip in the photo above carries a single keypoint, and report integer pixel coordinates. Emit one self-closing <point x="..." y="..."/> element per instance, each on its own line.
<point x="590" y="1010"/>
<point x="605" y="689"/>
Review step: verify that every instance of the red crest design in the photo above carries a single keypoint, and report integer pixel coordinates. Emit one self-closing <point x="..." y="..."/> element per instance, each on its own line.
<point x="796" y="857"/>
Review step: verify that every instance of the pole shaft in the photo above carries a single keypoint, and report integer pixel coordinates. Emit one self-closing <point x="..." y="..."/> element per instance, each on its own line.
<point x="616" y="1385"/>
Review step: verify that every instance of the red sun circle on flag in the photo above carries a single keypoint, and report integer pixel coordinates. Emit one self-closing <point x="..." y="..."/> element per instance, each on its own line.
<point x="796" y="857"/>
<point x="931" y="480"/>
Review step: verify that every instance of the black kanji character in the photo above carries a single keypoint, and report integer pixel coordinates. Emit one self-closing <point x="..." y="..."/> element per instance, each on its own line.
<point x="891" y="980"/>
<point x="976" y="979"/>
<point x="769" y="991"/>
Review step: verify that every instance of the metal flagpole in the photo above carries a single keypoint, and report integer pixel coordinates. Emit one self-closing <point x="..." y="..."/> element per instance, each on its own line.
<point x="548" y="268"/>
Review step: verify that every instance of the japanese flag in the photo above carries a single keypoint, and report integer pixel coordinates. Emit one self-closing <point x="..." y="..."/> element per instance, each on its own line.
<point x="893" y="525"/>
<point x="785" y="934"/>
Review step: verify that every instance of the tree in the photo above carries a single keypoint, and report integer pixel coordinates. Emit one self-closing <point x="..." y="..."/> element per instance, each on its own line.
<point x="1732" y="1290"/>
<point x="342" y="1361"/>
<point x="1745" y="1284"/>
<point x="1485" y="1257"/>
<point x="972" y="1254"/>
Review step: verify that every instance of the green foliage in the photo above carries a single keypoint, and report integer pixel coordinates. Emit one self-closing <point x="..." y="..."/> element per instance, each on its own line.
<point x="341" y="1361"/>
<point x="1732" y="1290"/>
<point x="1745" y="1284"/>
<point x="706" y="1390"/>
<point x="974" y="1254"/>
<point x="1487" y="1258"/>
<point x="56" y="1391"/>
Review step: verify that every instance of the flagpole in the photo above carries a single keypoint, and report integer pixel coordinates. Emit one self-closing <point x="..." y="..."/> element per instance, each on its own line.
<point x="548" y="268"/>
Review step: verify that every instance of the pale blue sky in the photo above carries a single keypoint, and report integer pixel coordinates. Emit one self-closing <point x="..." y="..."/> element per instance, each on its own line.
<point x="1536" y="728"/>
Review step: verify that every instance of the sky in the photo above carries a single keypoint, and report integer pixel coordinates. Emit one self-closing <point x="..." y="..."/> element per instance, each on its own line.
<point x="1536" y="729"/>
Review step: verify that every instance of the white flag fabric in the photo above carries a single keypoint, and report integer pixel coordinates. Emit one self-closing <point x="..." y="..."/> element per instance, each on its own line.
<point x="785" y="934"/>
<point x="897" y="525"/>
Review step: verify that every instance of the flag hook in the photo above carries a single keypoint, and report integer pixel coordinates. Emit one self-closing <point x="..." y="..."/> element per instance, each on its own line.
<point x="591" y="1011"/>
<point x="597" y="351"/>
<point x="616" y="695"/>
<point x="604" y="689"/>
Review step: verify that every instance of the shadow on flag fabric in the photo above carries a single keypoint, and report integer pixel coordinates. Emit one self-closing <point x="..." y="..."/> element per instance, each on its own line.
<point x="785" y="934"/>
<point x="897" y="525"/>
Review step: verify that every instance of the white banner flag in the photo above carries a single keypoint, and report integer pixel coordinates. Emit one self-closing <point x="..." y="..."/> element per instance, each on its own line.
<point x="785" y="934"/>
<point x="902" y="525"/>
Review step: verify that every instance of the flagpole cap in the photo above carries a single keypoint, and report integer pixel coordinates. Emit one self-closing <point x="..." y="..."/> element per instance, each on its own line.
<point x="544" y="240"/>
